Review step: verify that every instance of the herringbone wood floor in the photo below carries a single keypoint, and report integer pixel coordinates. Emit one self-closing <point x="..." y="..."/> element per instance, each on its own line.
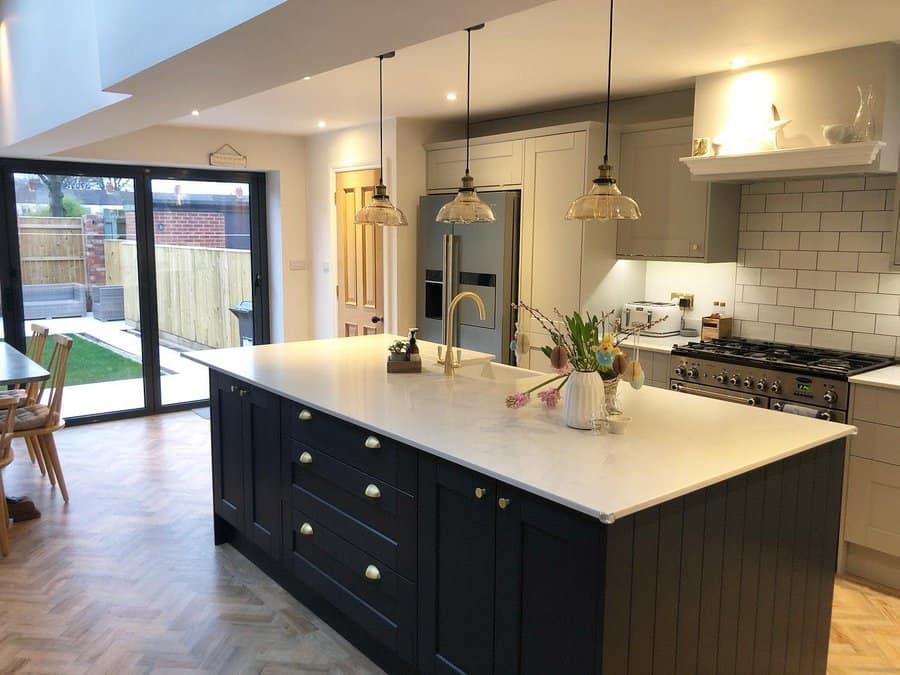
<point x="125" y="579"/>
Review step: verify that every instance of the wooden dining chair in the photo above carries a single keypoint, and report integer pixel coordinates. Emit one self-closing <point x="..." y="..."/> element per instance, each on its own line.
<point x="8" y="407"/>
<point x="27" y="393"/>
<point x="38" y="421"/>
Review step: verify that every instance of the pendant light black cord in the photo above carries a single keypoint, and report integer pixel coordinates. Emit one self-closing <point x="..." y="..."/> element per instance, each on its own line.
<point x="380" y="121"/>
<point x="608" y="84"/>
<point x="468" y="89"/>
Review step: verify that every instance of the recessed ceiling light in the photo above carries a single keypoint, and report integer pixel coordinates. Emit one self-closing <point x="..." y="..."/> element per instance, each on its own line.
<point x="195" y="113"/>
<point x="738" y="62"/>
<point x="321" y="124"/>
<point x="308" y="77"/>
<point x="451" y="96"/>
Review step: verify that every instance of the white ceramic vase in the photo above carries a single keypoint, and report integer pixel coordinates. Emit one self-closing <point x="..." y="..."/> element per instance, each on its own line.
<point x="585" y="398"/>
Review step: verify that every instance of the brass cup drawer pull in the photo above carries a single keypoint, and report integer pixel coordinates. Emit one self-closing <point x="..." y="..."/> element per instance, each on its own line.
<point x="373" y="573"/>
<point x="305" y="458"/>
<point x="503" y="502"/>
<point x="306" y="530"/>
<point x="304" y="415"/>
<point x="372" y="443"/>
<point x="372" y="491"/>
<point x="480" y="492"/>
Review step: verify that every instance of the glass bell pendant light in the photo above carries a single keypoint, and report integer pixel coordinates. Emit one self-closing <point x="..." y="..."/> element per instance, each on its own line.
<point x="605" y="201"/>
<point x="467" y="206"/>
<point x="380" y="210"/>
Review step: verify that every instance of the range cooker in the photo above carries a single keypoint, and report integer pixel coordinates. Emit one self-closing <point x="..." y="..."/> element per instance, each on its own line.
<point x="800" y="380"/>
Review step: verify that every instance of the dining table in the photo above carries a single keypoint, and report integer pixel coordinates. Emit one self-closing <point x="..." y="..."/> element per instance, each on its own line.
<point x="18" y="369"/>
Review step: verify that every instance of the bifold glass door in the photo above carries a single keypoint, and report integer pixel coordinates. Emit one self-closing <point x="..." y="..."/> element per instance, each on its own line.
<point x="138" y="267"/>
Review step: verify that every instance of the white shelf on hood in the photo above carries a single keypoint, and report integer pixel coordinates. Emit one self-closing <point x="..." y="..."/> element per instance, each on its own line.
<point x="862" y="157"/>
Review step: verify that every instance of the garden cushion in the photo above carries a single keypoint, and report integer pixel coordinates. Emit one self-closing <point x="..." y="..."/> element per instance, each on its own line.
<point x="29" y="417"/>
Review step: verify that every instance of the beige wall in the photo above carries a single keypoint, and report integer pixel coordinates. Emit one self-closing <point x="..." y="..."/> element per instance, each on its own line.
<point x="282" y="157"/>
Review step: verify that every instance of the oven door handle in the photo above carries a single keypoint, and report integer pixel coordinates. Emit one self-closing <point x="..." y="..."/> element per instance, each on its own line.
<point x="708" y="394"/>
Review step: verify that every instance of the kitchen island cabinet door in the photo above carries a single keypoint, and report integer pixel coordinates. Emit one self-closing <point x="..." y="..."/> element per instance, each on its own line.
<point x="548" y="570"/>
<point x="456" y="570"/>
<point x="227" y="449"/>
<point x="261" y="429"/>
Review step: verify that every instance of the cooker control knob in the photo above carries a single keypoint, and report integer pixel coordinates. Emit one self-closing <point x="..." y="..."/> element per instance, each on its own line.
<point x="693" y="372"/>
<point x="775" y="387"/>
<point x="721" y="377"/>
<point x="778" y="405"/>
<point x="748" y="382"/>
<point x="679" y="370"/>
<point x="830" y="396"/>
<point x="733" y="380"/>
<point x="761" y="384"/>
<point x="824" y="415"/>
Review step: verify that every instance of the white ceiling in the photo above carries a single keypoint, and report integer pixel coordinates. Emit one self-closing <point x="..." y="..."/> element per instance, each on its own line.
<point x="555" y="55"/>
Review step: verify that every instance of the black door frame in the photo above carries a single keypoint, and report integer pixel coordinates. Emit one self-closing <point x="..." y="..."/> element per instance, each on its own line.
<point x="10" y="264"/>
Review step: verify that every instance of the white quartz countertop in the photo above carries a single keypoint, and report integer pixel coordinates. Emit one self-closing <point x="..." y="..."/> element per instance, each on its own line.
<point x="662" y="345"/>
<point x="888" y="378"/>
<point x="675" y="444"/>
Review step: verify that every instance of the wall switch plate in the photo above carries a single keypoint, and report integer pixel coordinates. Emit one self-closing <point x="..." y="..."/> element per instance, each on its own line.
<point x="297" y="265"/>
<point x="685" y="300"/>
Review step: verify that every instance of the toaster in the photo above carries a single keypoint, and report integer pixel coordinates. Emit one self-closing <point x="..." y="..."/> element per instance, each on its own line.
<point x="644" y="311"/>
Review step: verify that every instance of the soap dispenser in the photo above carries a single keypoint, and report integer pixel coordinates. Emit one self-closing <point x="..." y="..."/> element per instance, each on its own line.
<point x="412" y="350"/>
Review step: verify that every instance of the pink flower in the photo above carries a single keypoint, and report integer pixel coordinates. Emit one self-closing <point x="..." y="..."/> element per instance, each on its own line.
<point x="517" y="400"/>
<point x="549" y="397"/>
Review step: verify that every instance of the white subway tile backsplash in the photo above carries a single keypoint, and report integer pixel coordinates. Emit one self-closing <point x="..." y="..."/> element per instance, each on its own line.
<point x="887" y="325"/>
<point x="746" y="311"/>
<point x="761" y="294"/>
<point x="877" y="303"/>
<point x="800" y="222"/>
<point x="881" y="182"/>
<point x="758" y="331"/>
<point x="869" y="242"/>
<point x="814" y="279"/>
<point x="778" y="278"/>
<point x="866" y="200"/>
<point x="819" y="241"/>
<point x="815" y="263"/>
<point x="765" y="222"/>
<point x="835" y="300"/>
<point x="860" y="282"/>
<point x="753" y="203"/>
<point x="822" y="201"/>
<point x="838" y="262"/>
<point x="831" y="339"/>
<point x="854" y="321"/>
<point x="841" y="221"/>
<point x="761" y="258"/>
<point x="813" y="318"/>
<point x="793" y="334"/>
<point x="796" y="297"/>
<point x="799" y="260"/>
<point x="877" y="221"/>
<point x="874" y="344"/>
<point x="845" y="183"/>
<point x="787" y="241"/>
<point x="748" y="275"/>
<point x="784" y="203"/>
<point x="889" y="283"/>
<point x="775" y="314"/>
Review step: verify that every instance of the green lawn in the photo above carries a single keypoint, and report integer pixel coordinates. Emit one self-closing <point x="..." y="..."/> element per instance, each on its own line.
<point x="90" y="362"/>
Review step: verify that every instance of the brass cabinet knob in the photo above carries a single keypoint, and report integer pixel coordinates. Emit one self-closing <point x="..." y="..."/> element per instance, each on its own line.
<point x="503" y="502"/>
<point x="480" y="492"/>
<point x="373" y="573"/>
<point x="304" y="415"/>
<point x="306" y="530"/>
<point x="372" y="491"/>
<point x="373" y="443"/>
<point x="244" y="392"/>
<point x="305" y="458"/>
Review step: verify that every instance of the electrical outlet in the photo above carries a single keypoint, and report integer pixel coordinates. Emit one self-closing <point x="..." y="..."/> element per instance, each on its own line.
<point x="685" y="300"/>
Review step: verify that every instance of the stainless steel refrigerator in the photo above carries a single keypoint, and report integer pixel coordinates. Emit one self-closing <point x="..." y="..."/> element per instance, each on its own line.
<point x="478" y="257"/>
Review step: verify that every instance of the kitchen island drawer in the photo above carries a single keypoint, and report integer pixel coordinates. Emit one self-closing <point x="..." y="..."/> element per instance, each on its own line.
<point x="875" y="404"/>
<point x="363" y="588"/>
<point x="876" y="441"/>
<point x="368" y="451"/>
<point x="873" y="502"/>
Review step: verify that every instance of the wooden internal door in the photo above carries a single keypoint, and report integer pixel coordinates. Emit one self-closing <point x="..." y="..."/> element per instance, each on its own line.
<point x="360" y="287"/>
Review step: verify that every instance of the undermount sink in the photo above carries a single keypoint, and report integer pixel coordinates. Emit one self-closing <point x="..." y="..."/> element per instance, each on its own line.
<point x="488" y="370"/>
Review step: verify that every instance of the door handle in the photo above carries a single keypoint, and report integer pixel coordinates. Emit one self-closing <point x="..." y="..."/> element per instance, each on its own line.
<point x="305" y="458"/>
<point x="372" y="491"/>
<point x="304" y="415"/>
<point x="377" y="319"/>
<point x="480" y="492"/>
<point x="373" y="573"/>
<point x="306" y="530"/>
<point x="372" y="443"/>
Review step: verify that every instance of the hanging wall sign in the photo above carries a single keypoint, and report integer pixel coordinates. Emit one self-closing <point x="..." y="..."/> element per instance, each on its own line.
<point x="229" y="157"/>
